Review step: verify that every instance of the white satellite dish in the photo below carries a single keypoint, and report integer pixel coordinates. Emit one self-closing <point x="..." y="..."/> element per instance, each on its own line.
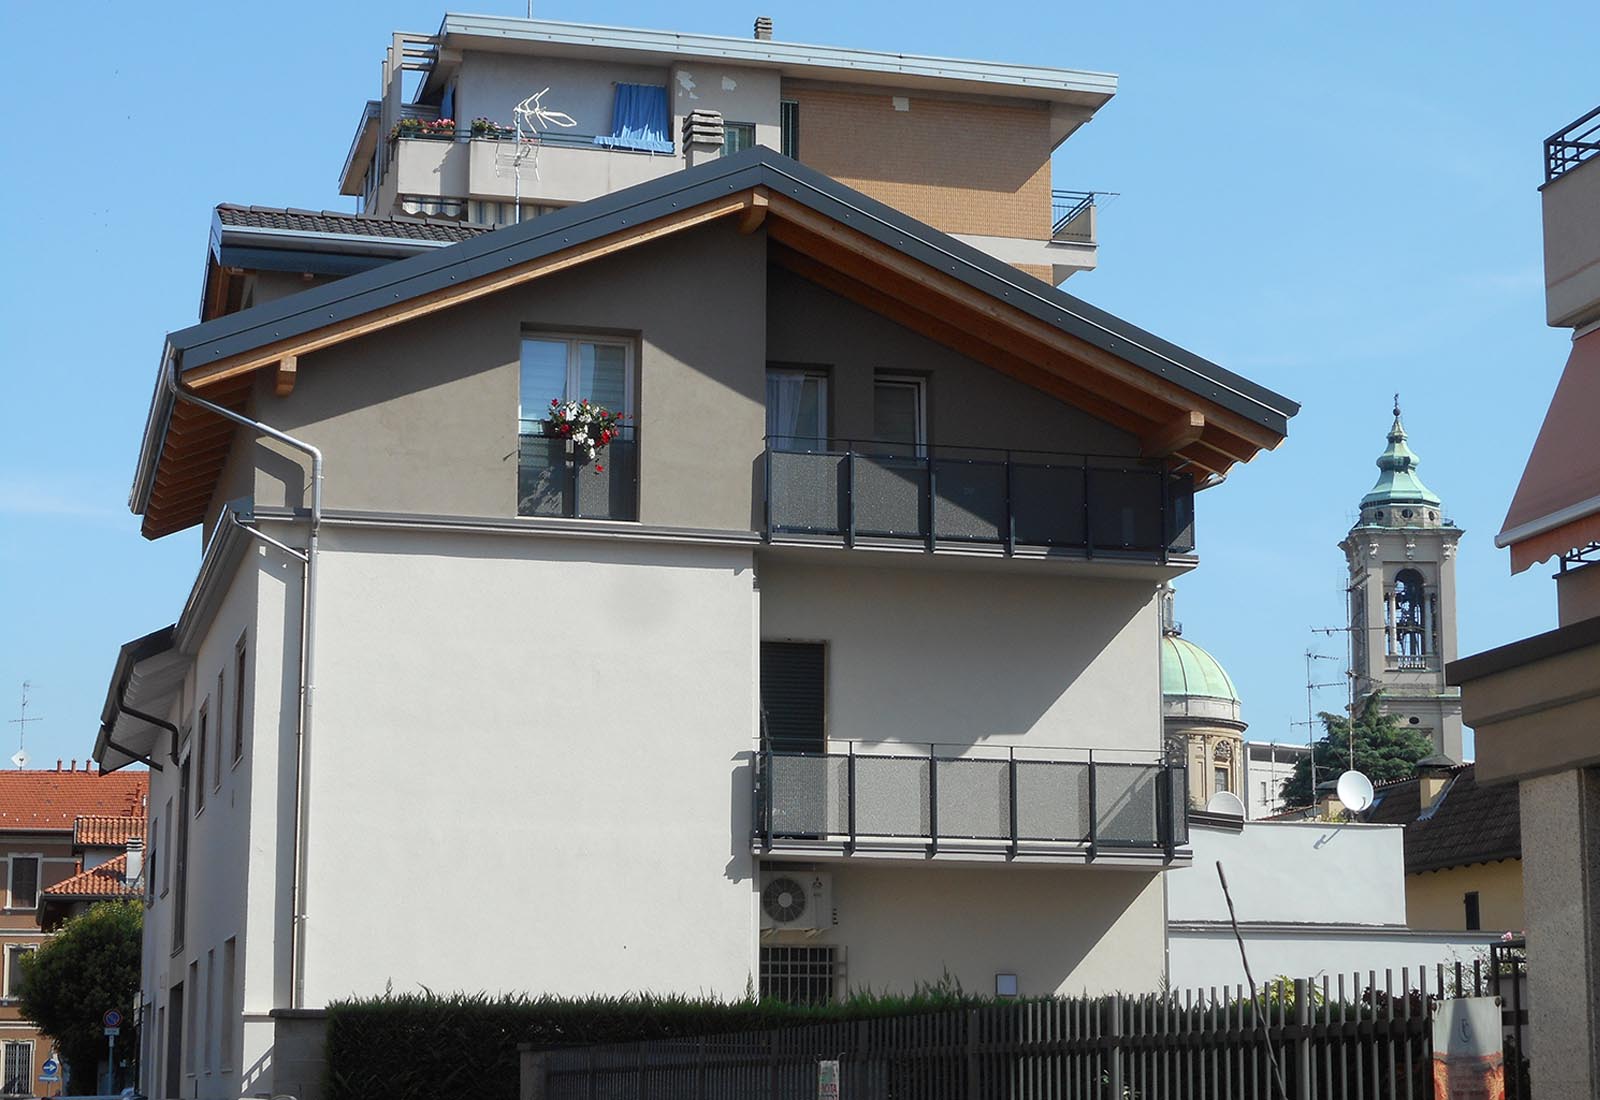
<point x="20" y="758"/>
<point x="1355" y="791"/>
<point x="1225" y="802"/>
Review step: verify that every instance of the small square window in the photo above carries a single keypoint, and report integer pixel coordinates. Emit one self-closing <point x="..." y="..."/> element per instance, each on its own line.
<point x="737" y="137"/>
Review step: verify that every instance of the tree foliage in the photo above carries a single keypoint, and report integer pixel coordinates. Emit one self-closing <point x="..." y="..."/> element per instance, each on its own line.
<point x="1385" y="751"/>
<point x="91" y="965"/>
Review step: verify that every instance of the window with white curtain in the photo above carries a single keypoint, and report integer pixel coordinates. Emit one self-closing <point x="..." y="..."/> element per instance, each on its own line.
<point x="797" y="409"/>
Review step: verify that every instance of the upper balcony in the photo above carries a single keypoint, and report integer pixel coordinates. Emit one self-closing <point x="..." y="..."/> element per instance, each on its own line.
<point x="866" y="494"/>
<point x="1569" y="197"/>
<point x="970" y="803"/>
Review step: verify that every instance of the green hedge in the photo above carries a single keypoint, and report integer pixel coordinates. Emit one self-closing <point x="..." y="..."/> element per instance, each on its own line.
<point x="420" y="1046"/>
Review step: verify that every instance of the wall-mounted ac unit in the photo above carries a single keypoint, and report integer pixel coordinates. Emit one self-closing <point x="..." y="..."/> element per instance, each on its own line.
<point x="796" y="900"/>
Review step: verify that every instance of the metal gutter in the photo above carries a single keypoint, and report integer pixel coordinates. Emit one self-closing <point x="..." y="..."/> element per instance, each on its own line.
<point x="308" y="638"/>
<point x="793" y="58"/>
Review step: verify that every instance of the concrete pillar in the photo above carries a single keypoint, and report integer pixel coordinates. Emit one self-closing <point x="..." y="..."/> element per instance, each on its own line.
<point x="1561" y="885"/>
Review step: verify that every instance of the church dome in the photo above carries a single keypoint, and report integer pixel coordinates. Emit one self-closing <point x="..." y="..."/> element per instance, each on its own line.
<point x="1188" y="672"/>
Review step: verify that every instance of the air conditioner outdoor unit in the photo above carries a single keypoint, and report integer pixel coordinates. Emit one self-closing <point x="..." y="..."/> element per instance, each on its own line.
<point x="796" y="900"/>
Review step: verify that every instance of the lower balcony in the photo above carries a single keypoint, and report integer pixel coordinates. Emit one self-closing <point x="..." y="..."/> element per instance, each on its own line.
<point x="861" y="493"/>
<point x="555" y="479"/>
<point x="1065" y="806"/>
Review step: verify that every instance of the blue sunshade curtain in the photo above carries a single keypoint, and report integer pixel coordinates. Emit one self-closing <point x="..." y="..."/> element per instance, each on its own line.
<point x="639" y="119"/>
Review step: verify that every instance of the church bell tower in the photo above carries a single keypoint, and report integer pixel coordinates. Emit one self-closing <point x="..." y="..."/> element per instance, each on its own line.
<point x="1402" y="591"/>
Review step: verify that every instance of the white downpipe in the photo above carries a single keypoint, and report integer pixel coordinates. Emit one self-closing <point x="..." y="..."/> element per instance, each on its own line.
<point x="308" y="651"/>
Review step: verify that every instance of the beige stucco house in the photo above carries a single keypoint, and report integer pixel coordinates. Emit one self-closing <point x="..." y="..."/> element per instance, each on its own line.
<point x="838" y="667"/>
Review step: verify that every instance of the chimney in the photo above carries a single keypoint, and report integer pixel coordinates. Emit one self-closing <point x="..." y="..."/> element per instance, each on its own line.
<point x="135" y="861"/>
<point x="764" y="28"/>
<point x="74" y="765"/>
<point x="58" y="763"/>
<point x="1329" y="807"/>
<point x="1433" y="776"/>
<point x="702" y="137"/>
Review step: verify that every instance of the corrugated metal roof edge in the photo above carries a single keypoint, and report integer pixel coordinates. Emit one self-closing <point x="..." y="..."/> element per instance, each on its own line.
<point x="757" y="167"/>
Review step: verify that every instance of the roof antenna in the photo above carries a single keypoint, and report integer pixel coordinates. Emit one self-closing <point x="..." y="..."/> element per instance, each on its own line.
<point x="20" y="758"/>
<point x="532" y="117"/>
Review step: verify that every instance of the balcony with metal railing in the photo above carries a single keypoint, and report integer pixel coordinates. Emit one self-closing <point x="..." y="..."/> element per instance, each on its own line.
<point x="1051" y="805"/>
<point x="867" y="493"/>
<point x="1073" y="213"/>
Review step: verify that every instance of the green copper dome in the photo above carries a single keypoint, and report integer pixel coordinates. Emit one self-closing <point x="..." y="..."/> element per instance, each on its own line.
<point x="1188" y="671"/>
<point x="1398" y="482"/>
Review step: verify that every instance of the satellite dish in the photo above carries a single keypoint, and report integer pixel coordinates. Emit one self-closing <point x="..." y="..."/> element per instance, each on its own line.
<point x="1355" y="791"/>
<point x="1225" y="802"/>
<point x="21" y="758"/>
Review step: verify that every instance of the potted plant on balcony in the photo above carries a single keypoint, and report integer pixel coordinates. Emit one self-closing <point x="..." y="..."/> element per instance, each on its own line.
<point x="488" y="128"/>
<point x="589" y="427"/>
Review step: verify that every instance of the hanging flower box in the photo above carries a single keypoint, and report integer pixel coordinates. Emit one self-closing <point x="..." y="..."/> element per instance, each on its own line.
<point x="590" y="428"/>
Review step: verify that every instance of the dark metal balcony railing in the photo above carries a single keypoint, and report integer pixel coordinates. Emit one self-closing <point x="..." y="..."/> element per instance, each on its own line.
<point x="1570" y="146"/>
<point x="1011" y="802"/>
<point x="554" y="480"/>
<point x="1067" y="207"/>
<point x="1008" y="499"/>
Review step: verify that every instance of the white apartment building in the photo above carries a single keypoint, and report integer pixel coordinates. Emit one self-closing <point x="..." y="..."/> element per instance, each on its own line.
<point x="838" y="667"/>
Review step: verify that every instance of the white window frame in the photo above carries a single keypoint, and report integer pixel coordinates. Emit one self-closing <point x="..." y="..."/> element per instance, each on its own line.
<point x="4" y="1050"/>
<point x="918" y="383"/>
<point x="12" y="951"/>
<point x="38" y="882"/>
<point x="574" y="371"/>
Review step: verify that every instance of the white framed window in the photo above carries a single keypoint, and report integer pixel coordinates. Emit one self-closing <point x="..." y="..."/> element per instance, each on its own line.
<point x="202" y="746"/>
<point x="18" y="1068"/>
<point x="557" y="367"/>
<point x="22" y="885"/>
<point x="241" y="671"/>
<point x="797" y="409"/>
<point x="14" y="954"/>
<point x="737" y="137"/>
<point x="166" y="874"/>
<point x="1219" y="780"/>
<point x="208" y="1038"/>
<point x="900" y="414"/>
<point x="222" y="714"/>
<point x="229" y="1010"/>
<point x="191" y="1031"/>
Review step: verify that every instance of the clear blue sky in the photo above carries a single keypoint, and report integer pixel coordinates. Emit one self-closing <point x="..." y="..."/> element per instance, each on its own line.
<point x="1337" y="200"/>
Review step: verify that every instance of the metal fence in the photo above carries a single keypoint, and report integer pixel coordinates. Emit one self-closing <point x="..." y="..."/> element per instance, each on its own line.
<point x="1368" y="1037"/>
<point x="864" y="490"/>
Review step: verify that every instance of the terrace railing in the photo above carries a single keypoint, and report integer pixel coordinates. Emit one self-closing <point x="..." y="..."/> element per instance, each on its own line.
<point x="943" y="798"/>
<point x="1570" y="146"/>
<point x="857" y="490"/>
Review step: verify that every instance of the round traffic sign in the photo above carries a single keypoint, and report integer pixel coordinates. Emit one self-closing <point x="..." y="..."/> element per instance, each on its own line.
<point x="112" y="1018"/>
<point x="51" y="1065"/>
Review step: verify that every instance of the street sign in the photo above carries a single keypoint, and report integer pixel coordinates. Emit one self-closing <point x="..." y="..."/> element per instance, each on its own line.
<point x="50" y="1071"/>
<point x="111" y="1031"/>
<point x="112" y="1018"/>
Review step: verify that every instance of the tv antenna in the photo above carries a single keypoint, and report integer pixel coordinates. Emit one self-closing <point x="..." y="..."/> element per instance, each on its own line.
<point x="1311" y="717"/>
<point x="530" y="118"/>
<point x="20" y="757"/>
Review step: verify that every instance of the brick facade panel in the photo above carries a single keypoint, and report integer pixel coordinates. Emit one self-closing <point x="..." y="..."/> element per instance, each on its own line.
<point x="961" y="167"/>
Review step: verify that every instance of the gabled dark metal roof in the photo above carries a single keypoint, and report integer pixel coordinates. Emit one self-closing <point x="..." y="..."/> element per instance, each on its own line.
<point x="496" y="251"/>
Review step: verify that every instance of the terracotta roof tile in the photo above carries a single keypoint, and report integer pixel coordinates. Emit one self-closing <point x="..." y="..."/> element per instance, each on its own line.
<point x="106" y="830"/>
<point x="104" y="881"/>
<point x="50" y="801"/>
